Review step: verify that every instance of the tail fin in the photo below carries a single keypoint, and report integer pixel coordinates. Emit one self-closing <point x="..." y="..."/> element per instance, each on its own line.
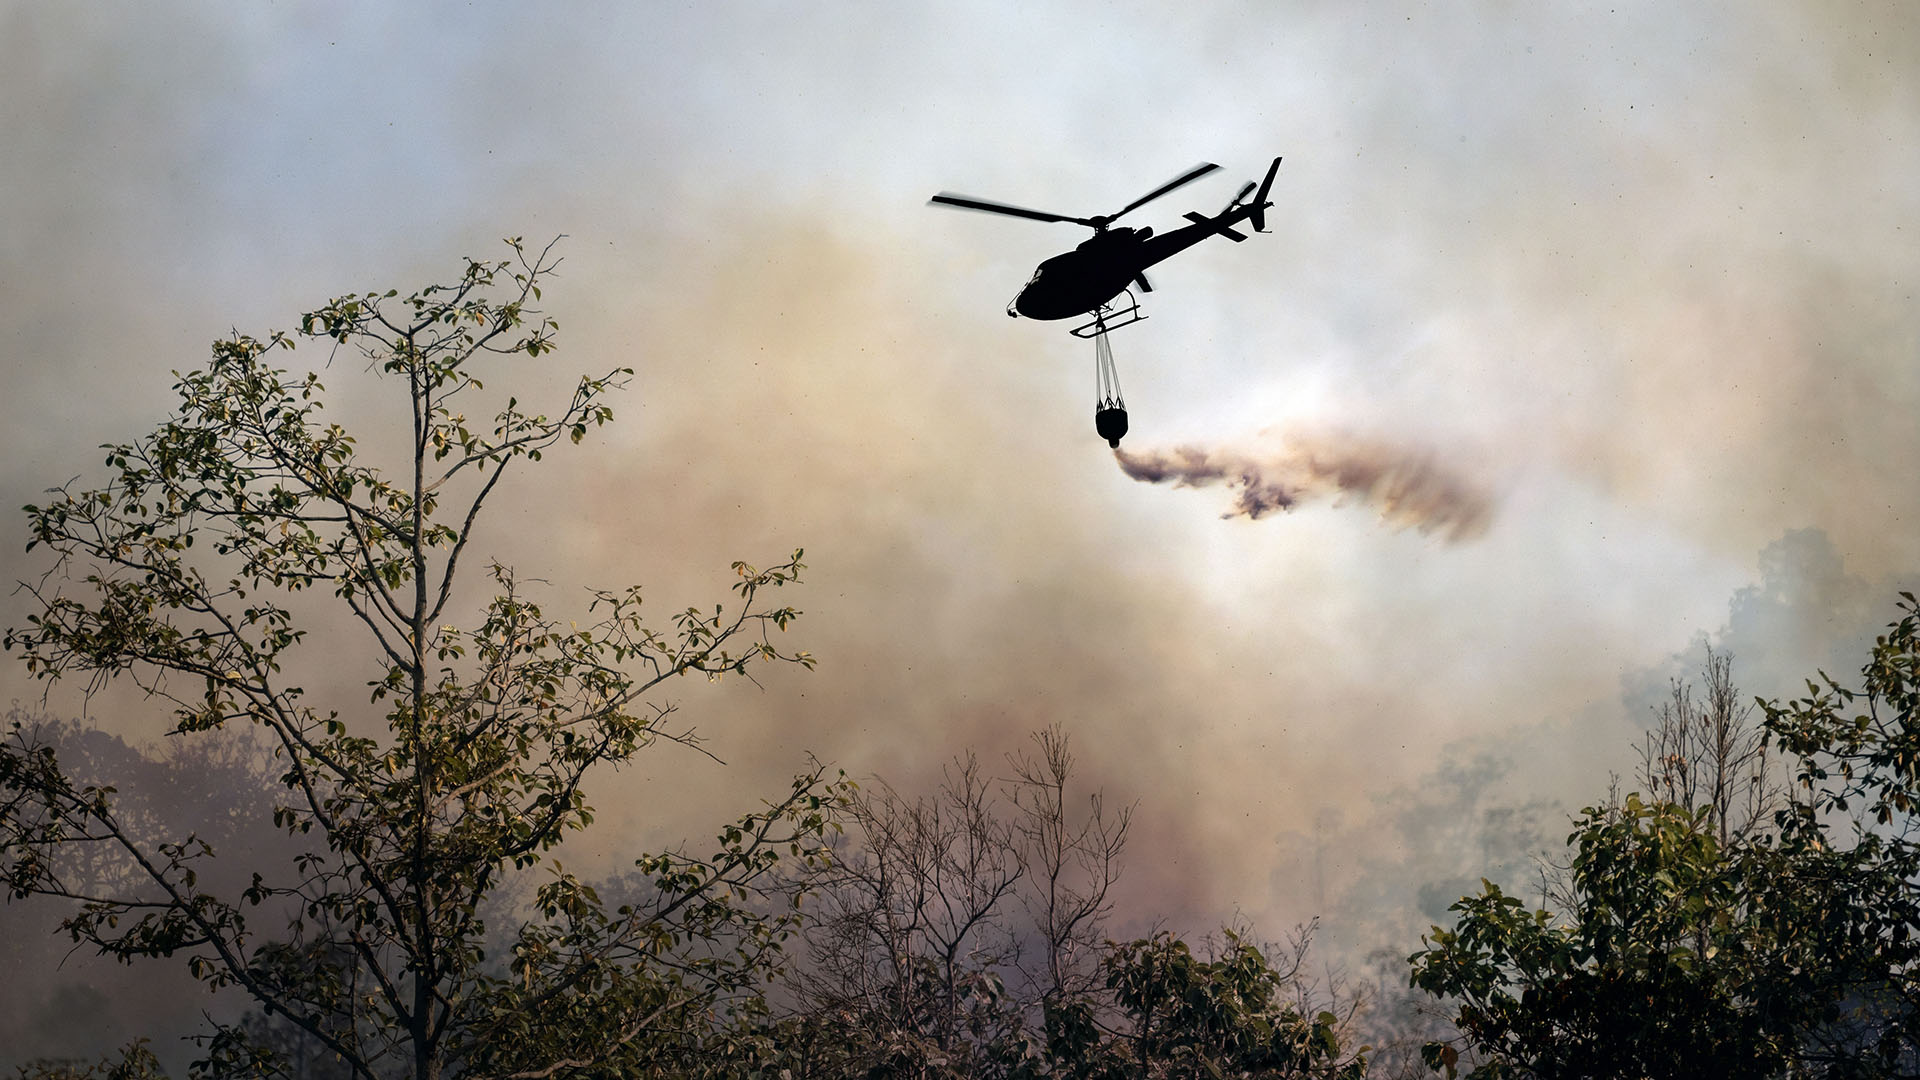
<point x="1260" y="203"/>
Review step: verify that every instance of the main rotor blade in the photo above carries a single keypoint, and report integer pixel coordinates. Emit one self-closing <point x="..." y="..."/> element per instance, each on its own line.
<point x="966" y="202"/>
<point x="1187" y="177"/>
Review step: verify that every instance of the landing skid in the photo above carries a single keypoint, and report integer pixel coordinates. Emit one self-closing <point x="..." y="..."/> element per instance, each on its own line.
<point x="1111" y="316"/>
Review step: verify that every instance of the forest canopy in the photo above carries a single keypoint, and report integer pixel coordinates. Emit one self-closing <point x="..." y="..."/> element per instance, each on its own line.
<point x="378" y="895"/>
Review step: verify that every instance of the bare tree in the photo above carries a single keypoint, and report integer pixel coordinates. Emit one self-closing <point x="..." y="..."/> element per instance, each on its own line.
<point x="1710" y="752"/>
<point x="935" y="905"/>
<point x="1705" y="753"/>
<point x="1073" y="866"/>
<point x="914" y="910"/>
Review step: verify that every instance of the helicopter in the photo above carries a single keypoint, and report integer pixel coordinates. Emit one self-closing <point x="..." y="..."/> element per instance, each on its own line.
<point x="1088" y="279"/>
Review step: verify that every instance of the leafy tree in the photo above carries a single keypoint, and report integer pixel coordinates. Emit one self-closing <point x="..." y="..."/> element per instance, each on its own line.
<point x="183" y="572"/>
<point x="1226" y="1017"/>
<point x="1857" y="767"/>
<point x="1674" y="959"/>
<point x="1720" y="928"/>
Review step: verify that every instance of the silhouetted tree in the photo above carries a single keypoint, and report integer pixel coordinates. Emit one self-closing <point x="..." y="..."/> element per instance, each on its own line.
<point x="182" y="574"/>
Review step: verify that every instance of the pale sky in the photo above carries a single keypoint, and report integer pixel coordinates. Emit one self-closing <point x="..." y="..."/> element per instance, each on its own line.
<point x="1644" y="272"/>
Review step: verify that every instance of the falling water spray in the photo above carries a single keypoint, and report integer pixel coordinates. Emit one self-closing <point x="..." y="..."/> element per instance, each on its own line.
<point x="1409" y="487"/>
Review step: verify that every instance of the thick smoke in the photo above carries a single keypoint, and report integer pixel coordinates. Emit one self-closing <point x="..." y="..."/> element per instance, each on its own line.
<point x="1408" y="486"/>
<point x="1655" y="256"/>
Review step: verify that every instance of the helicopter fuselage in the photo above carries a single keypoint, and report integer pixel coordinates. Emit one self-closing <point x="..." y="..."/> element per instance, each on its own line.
<point x="1081" y="281"/>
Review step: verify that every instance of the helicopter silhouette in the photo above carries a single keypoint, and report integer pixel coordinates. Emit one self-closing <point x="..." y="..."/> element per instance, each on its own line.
<point x="1087" y="280"/>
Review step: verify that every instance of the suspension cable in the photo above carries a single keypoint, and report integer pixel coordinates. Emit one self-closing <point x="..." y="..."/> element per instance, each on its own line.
<point x="1106" y="379"/>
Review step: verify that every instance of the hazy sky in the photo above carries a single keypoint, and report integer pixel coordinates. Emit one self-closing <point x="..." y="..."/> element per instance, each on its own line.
<point x="1642" y="274"/>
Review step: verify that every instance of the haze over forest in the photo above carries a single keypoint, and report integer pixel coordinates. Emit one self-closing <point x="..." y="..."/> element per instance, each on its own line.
<point x="1640" y="279"/>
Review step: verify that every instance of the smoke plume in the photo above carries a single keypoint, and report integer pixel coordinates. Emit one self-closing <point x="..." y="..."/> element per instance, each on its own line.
<point x="1406" y="485"/>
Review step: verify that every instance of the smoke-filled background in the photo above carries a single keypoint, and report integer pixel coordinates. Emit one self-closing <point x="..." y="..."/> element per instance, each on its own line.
<point x="1583" y="333"/>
